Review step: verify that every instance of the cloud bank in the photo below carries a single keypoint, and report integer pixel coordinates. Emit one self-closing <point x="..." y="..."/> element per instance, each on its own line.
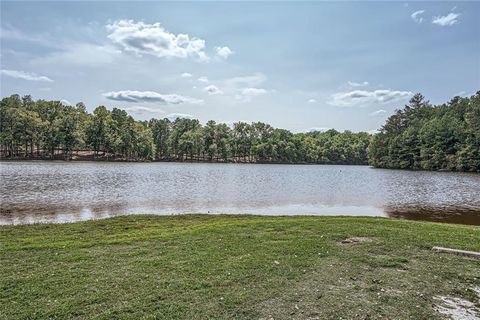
<point x="152" y="39"/>
<point x="149" y="96"/>
<point x="364" y="97"/>
<point x="143" y="110"/>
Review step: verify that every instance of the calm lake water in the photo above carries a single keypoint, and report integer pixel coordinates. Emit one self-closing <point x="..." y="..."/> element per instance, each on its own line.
<point x="72" y="191"/>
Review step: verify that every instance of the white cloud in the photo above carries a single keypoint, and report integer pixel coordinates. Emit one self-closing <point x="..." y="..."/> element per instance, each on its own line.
<point x="246" y="94"/>
<point x="143" y="110"/>
<point x="373" y="131"/>
<point x="24" y="75"/>
<point x="247" y="81"/>
<point x="203" y="79"/>
<point x="312" y="101"/>
<point x="253" y="92"/>
<point x="149" y="96"/>
<point x="365" y="98"/>
<point x="417" y="16"/>
<point x="173" y="116"/>
<point x="152" y="39"/>
<point x="223" y="52"/>
<point x="378" y="113"/>
<point x="358" y="84"/>
<point x="448" y="20"/>
<point x="186" y="75"/>
<point x="212" y="90"/>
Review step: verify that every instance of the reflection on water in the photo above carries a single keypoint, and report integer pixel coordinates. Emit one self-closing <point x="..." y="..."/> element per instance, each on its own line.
<point x="73" y="191"/>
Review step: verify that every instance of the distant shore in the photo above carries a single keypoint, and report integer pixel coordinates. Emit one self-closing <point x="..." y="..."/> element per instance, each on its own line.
<point x="90" y="156"/>
<point x="102" y="158"/>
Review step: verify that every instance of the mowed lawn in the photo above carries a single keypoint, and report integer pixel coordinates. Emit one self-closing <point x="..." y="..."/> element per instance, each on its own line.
<point x="234" y="267"/>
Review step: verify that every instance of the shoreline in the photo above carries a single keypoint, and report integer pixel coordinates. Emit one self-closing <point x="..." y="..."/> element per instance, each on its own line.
<point x="223" y="162"/>
<point x="224" y="215"/>
<point x="237" y="215"/>
<point x="83" y="159"/>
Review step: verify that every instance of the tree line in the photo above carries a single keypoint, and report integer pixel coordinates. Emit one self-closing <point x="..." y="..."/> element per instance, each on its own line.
<point x="426" y="137"/>
<point x="420" y="136"/>
<point x="51" y="130"/>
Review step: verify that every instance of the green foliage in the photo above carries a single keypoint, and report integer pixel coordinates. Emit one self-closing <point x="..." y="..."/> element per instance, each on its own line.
<point x="426" y="137"/>
<point x="420" y="137"/>
<point x="48" y="129"/>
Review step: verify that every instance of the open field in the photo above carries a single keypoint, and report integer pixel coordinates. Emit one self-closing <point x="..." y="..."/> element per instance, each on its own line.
<point x="244" y="267"/>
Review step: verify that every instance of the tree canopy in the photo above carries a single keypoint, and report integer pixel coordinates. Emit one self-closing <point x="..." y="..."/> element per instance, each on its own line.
<point x="427" y="137"/>
<point x="49" y="129"/>
<point x="420" y="136"/>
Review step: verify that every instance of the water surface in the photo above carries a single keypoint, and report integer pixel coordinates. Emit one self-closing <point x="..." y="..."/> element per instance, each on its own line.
<point x="48" y="191"/>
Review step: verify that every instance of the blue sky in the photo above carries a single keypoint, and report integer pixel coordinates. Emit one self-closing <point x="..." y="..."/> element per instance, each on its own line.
<point x="299" y="66"/>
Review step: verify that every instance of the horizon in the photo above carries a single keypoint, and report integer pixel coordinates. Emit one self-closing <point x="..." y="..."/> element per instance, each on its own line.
<point x="296" y="66"/>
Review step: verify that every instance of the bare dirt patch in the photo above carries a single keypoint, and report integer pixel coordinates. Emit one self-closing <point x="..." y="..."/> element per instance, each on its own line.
<point x="457" y="308"/>
<point x="477" y="291"/>
<point x="356" y="240"/>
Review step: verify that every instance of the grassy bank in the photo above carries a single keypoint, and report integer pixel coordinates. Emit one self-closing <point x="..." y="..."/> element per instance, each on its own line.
<point x="199" y="266"/>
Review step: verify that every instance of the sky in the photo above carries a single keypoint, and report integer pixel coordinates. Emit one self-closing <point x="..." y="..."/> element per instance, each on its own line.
<point x="300" y="66"/>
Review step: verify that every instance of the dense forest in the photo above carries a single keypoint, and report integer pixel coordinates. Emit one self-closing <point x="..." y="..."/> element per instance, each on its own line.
<point x="420" y="136"/>
<point x="51" y="130"/>
<point x="426" y="137"/>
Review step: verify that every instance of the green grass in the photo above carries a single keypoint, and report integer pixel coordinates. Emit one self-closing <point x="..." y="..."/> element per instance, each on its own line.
<point x="244" y="267"/>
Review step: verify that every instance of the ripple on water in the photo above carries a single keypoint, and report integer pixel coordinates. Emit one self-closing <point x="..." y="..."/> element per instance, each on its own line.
<point x="50" y="191"/>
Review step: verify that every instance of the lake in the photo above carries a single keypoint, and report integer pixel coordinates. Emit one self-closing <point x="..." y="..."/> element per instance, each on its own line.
<point x="49" y="191"/>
